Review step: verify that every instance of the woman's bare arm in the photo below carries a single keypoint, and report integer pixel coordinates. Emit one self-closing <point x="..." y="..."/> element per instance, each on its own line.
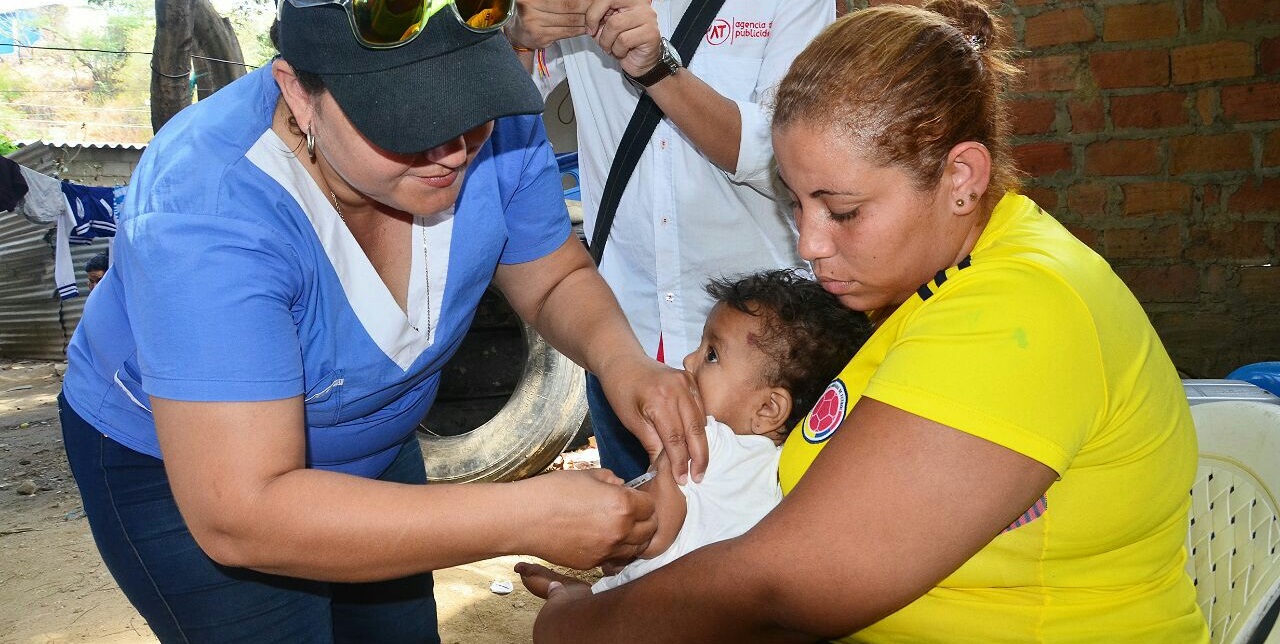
<point x="237" y="473"/>
<point x="565" y="299"/>
<point x="893" y="505"/>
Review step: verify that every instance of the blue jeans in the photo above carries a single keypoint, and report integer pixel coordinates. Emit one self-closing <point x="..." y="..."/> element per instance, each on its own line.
<point x="620" y="450"/>
<point x="186" y="597"/>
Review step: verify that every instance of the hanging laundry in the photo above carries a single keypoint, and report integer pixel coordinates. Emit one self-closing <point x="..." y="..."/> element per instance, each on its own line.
<point x="44" y="202"/>
<point x="64" y="271"/>
<point x="93" y="210"/>
<point x="82" y="214"/>
<point x="13" y="187"/>
<point x="89" y="212"/>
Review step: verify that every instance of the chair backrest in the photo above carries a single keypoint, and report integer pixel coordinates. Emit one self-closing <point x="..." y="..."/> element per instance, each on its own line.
<point x="1234" y="533"/>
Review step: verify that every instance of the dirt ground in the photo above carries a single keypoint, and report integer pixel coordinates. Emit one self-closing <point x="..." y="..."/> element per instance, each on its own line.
<point x="54" y="587"/>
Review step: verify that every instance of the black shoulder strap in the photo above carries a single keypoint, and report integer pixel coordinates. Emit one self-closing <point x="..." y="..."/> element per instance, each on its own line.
<point x="693" y="26"/>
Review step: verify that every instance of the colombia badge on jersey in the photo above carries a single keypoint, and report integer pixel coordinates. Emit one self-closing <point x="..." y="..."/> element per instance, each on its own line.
<point x="827" y="413"/>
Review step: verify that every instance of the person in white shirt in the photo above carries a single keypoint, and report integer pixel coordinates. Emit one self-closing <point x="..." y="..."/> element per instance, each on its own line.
<point x="771" y="346"/>
<point x="699" y="204"/>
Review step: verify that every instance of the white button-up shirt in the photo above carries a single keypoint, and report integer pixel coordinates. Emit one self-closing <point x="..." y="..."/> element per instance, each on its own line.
<point x="682" y="220"/>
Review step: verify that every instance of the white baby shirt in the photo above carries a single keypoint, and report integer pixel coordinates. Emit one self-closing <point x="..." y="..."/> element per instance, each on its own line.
<point x="739" y="488"/>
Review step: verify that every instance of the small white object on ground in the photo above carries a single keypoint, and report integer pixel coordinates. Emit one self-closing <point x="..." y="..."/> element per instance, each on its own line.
<point x="501" y="587"/>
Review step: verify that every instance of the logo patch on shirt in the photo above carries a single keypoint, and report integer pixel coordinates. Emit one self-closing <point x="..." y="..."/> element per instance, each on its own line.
<point x="1035" y="512"/>
<point x="728" y="31"/>
<point x="827" y="414"/>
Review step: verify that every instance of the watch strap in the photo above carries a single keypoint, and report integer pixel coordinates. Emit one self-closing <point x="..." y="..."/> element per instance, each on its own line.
<point x="666" y="66"/>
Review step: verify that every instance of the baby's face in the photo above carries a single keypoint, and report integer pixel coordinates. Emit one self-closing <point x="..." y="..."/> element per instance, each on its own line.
<point x="729" y="366"/>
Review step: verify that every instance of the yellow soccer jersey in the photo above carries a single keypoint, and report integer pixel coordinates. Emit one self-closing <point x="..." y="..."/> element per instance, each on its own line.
<point x="1033" y="343"/>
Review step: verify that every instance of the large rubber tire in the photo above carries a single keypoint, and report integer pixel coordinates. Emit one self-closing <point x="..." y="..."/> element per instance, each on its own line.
<point x="537" y="422"/>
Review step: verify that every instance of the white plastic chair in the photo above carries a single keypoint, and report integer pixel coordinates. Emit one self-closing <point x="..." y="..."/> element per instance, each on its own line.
<point x="1233" y="541"/>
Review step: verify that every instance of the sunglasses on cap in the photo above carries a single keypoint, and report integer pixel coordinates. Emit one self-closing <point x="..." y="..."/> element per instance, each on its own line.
<point x="383" y="24"/>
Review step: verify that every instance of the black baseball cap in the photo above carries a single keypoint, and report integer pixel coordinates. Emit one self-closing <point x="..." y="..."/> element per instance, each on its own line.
<point x="417" y="96"/>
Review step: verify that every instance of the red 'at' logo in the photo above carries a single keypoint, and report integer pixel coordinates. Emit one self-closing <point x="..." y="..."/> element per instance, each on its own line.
<point x="827" y="414"/>
<point x="719" y="32"/>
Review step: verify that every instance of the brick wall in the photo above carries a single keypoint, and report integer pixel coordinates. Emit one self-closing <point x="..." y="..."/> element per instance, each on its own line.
<point x="96" y="166"/>
<point x="1152" y="130"/>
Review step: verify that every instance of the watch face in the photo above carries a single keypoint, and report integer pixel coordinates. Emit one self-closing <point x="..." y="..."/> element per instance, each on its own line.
<point x="670" y="52"/>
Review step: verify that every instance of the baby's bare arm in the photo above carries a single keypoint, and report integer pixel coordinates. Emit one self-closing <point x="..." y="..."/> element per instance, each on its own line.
<point x="669" y="508"/>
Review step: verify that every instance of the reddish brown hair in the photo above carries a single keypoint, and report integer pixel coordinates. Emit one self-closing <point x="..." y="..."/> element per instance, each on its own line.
<point x="909" y="84"/>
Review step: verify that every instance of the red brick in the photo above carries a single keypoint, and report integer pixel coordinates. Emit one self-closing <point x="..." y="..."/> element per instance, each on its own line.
<point x="1211" y="153"/>
<point x="1043" y="159"/>
<point x="1177" y="283"/>
<point x="1159" y="197"/>
<point x="1212" y="197"/>
<point x="1046" y="198"/>
<point x="1049" y="73"/>
<point x="1256" y="196"/>
<point x="1058" y="28"/>
<point x="1212" y="61"/>
<point x="1122" y="157"/>
<point x="1194" y="12"/>
<point x="1269" y="56"/>
<point x="1034" y="116"/>
<point x="1258" y="102"/>
<point x="1087" y="235"/>
<point x="1243" y="240"/>
<point x="1271" y="148"/>
<point x="1130" y="68"/>
<point x="1149" y="111"/>
<point x="1140" y="22"/>
<point x="1207" y="104"/>
<point x="1239" y="12"/>
<point x="1260" y="283"/>
<point x="1086" y="117"/>
<point x="1216" y="280"/>
<point x="1086" y="199"/>
<point x="1152" y="241"/>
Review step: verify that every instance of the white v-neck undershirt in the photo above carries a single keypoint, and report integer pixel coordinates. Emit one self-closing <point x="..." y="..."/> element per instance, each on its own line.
<point x="402" y="336"/>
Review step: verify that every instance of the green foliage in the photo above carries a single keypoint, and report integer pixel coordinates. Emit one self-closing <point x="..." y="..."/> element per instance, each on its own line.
<point x="105" y="67"/>
<point x="6" y="146"/>
<point x="12" y="84"/>
<point x="251" y="20"/>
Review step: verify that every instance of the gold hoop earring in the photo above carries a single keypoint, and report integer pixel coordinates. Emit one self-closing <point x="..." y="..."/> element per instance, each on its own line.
<point x="311" y="144"/>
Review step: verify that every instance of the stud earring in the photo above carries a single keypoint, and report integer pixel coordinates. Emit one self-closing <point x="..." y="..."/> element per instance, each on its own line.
<point x="960" y="203"/>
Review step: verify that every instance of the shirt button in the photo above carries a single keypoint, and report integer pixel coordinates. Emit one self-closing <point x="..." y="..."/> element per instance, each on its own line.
<point x="671" y="297"/>
<point x="665" y="220"/>
<point x="662" y="144"/>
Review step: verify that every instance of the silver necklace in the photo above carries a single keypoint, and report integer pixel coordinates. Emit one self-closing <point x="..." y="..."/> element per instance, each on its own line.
<point x="426" y="265"/>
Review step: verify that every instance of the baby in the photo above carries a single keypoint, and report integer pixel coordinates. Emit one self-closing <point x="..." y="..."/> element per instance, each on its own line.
<point x="770" y="346"/>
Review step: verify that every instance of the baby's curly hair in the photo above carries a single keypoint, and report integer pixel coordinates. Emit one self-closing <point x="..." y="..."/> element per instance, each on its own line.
<point x="807" y="334"/>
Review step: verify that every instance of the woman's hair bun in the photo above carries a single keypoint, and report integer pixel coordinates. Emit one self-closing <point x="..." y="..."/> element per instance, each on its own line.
<point x="971" y="17"/>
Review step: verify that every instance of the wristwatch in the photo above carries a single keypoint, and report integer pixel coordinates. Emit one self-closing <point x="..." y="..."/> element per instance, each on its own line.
<point x="668" y="63"/>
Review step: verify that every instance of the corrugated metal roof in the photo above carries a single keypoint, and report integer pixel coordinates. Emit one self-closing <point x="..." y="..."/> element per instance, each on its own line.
<point x="34" y="323"/>
<point x="97" y="145"/>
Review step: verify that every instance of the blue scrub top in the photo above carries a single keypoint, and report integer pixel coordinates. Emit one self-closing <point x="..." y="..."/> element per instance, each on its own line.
<point x="233" y="279"/>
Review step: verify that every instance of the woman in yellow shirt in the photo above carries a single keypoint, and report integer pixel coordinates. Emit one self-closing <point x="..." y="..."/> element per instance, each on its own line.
<point x="1008" y="458"/>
